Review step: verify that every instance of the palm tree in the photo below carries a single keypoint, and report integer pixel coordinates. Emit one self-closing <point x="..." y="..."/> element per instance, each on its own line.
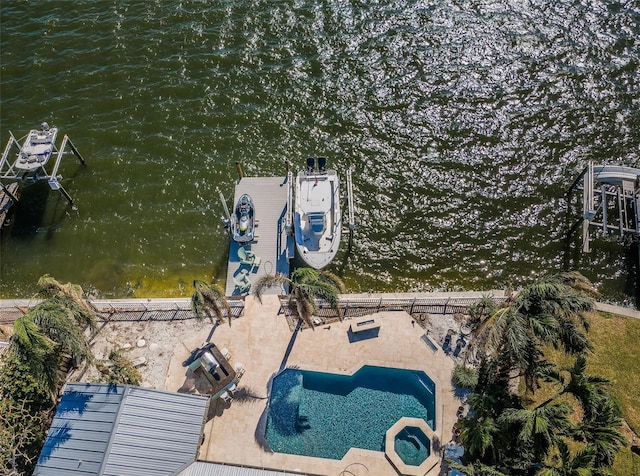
<point x="589" y="390"/>
<point x="52" y="328"/>
<point x="209" y="300"/>
<point x="549" y="311"/>
<point x="43" y="335"/>
<point x="600" y="432"/>
<point x="306" y="286"/>
<point x="564" y="464"/>
<point x="475" y="469"/>
<point x="69" y="296"/>
<point x="479" y="434"/>
<point x="539" y="428"/>
<point x="31" y="347"/>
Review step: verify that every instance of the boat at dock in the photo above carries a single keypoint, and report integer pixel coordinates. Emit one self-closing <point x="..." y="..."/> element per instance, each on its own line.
<point x="317" y="220"/>
<point x="243" y="221"/>
<point x="37" y="148"/>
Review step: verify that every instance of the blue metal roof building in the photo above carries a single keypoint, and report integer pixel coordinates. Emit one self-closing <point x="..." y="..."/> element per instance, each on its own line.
<point x="115" y="430"/>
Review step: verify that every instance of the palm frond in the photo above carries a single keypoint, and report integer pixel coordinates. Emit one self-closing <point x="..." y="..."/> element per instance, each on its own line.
<point x="36" y="351"/>
<point x="81" y="313"/>
<point x="577" y="281"/>
<point x="490" y="332"/>
<point x="305" y="312"/>
<point x="267" y="281"/>
<point x="571" y="338"/>
<point x="478" y="434"/>
<point x="464" y="377"/>
<point x="334" y="280"/>
<point x="209" y="300"/>
<point x="58" y="323"/>
<point x="304" y="275"/>
<point x="323" y="290"/>
<point x="28" y="338"/>
<point x="69" y="296"/>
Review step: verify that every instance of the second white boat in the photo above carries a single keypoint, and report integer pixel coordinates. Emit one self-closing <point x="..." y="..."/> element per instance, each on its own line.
<point x="317" y="220"/>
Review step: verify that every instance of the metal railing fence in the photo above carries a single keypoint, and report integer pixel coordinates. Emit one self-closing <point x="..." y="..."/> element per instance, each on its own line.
<point x="348" y="307"/>
<point x="116" y="310"/>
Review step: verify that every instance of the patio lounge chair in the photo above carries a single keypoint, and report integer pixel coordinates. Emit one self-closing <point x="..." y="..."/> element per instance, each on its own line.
<point x="225" y="353"/>
<point x="242" y="282"/>
<point x="225" y="396"/>
<point x="248" y="257"/>
<point x="232" y="389"/>
<point x="239" y="368"/>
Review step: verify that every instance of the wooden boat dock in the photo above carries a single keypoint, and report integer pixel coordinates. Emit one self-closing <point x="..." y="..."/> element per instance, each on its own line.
<point x="272" y="244"/>
<point x="6" y="200"/>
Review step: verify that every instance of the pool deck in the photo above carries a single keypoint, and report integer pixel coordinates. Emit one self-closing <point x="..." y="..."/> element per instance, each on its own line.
<point x="261" y="341"/>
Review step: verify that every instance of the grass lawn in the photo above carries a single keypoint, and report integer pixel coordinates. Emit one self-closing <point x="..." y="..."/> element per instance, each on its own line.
<point x="616" y="356"/>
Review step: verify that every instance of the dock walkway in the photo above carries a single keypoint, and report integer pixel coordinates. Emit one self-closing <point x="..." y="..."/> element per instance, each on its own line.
<point x="269" y="195"/>
<point x="6" y="201"/>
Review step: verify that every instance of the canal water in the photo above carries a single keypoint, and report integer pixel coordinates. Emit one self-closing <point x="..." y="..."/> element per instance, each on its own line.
<point x="464" y="124"/>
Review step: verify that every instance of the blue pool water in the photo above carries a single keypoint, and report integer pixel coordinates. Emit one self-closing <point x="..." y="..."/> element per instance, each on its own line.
<point x="412" y="445"/>
<point x="323" y="415"/>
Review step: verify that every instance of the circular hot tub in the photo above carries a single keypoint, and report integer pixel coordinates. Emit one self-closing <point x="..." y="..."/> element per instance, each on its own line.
<point x="408" y="446"/>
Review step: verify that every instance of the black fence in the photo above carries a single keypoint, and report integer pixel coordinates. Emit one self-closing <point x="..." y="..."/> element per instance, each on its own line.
<point x="413" y="306"/>
<point x="180" y="309"/>
<point x="151" y="310"/>
<point x="118" y="310"/>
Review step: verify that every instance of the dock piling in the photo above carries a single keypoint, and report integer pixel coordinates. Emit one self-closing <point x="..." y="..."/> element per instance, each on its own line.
<point x="76" y="153"/>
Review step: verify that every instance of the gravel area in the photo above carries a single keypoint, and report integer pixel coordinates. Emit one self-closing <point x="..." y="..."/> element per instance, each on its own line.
<point x="151" y="341"/>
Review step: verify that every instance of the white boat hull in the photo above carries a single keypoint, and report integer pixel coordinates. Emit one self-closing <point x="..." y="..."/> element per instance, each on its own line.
<point x="317" y="220"/>
<point x="37" y="149"/>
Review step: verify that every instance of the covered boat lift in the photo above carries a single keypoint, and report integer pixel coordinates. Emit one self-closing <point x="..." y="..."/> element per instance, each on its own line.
<point x="610" y="203"/>
<point x="33" y="152"/>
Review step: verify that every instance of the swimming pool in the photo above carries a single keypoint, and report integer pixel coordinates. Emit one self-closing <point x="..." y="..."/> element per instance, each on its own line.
<point x="323" y="415"/>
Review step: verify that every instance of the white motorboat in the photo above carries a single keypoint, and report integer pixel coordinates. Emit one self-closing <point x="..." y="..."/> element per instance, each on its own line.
<point x="37" y="148"/>
<point x="317" y="221"/>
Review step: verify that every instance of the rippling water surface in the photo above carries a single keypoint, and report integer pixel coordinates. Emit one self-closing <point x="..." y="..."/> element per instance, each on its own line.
<point x="464" y="122"/>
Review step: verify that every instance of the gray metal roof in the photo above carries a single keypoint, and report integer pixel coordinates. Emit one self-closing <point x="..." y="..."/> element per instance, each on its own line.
<point x="202" y="468"/>
<point x="114" y="430"/>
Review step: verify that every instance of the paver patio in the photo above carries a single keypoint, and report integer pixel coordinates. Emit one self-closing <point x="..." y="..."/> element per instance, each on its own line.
<point x="260" y="340"/>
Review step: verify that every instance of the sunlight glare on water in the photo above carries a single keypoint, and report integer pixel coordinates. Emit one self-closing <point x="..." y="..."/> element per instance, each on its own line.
<point x="464" y="123"/>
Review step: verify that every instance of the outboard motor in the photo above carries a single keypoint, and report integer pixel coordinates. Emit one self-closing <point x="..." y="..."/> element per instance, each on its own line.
<point x="311" y="164"/>
<point x="322" y="164"/>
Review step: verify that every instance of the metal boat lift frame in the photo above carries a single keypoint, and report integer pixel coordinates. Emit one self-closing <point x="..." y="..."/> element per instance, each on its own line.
<point x="9" y="173"/>
<point x="610" y="202"/>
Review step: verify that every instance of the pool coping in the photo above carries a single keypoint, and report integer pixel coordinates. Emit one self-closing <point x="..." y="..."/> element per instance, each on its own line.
<point x="393" y="457"/>
<point x="262" y="427"/>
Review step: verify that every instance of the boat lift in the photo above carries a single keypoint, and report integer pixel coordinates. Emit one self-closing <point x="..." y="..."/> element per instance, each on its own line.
<point x="350" y="208"/>
<point x="38" y="146"/>
<point x="610" y="203"/>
